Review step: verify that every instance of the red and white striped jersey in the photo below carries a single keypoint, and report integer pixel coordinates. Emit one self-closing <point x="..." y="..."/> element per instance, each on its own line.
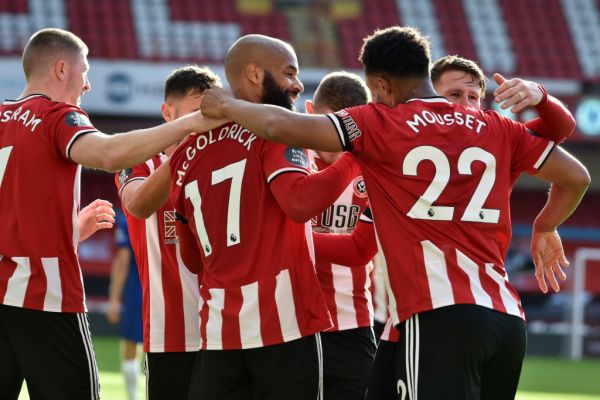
<point x="378" y="289"/>
<point x="346" y="290"/>
<point x="259" y="285"/>
<point x="439" y="177"/>
<point x="170" y="292"/>
<point x="39" y="204"/>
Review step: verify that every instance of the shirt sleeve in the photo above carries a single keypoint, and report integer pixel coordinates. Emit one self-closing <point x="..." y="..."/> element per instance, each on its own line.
<point x="349" y="124"/>
<point x="529" y="151"/>
<point x="280" y="159"/>
<point x="68" y="123"/>
<point x="124" y="177"/>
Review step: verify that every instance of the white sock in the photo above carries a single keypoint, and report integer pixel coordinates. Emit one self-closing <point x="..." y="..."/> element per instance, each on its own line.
<point x="131" y="371"/>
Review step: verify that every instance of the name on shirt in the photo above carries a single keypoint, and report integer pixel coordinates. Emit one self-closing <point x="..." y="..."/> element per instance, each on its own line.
<point x="234" y="132"/>
<point x="426" y="117"/>
<point x="27" y="118"/>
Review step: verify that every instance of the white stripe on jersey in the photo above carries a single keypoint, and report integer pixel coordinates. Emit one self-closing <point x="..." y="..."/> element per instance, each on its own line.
<point x="17" y="284"/>
<point x="284" y="299"/>
<point x="190" y="292"/>
<point x="308" y="233"/>
<point x="544" y="155"/>
<point x="472" y="270"/>
<point x="283" y="170"/>
<point x="250" y="316"/>
<point x="512" y="306"/>
<point x="214" y="325"/>
<point x="440" y="288"/>
<point x="76" y="206"/>
<point x="157" y="301"/>
<point x="53" y="297"/>
<point x="343" y="295"/>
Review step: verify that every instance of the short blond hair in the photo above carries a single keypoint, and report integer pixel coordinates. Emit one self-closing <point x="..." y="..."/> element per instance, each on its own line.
<point x="47" y="44"/>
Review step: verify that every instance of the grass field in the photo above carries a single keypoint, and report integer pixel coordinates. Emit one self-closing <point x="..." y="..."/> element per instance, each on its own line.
<point x="542" y="378"/>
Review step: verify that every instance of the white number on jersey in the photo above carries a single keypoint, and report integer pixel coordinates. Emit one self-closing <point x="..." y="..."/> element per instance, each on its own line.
<point x="424" y="208"/>
<point x="235" y="172"/>
<point x="4" y="154"/>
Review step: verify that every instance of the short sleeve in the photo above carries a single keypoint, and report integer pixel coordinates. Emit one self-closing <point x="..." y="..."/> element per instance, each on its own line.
<point x="281" y="159"/>
<point x="349" y="125"/>
<point x="68" y="124"/>
<point x="121" y="232"/>
<point x="124" y="177"/>
<point x="529" y="151"/>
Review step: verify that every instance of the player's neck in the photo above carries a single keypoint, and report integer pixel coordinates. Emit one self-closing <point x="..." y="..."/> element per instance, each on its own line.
<point x="407" y="89"/>
<point x="40" y="87"/>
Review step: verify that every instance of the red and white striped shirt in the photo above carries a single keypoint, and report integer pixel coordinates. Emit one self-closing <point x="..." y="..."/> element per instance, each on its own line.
<point x="259" y="285"/>
<point x="439" y="178"/>
<point x="170" y="293"/>
<point x="346" y="290"/>
<point x="39" y="204"/>
<point x="389" y="333"/>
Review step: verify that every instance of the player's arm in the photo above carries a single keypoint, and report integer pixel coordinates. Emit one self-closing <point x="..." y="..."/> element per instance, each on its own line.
<point x="118" y="274"/>
<point x="303" y="196"/>
<point x="555" y="121"/>
<point x="274" y="123"/>
<point x="570" y="180"/>
<point x="142" y="198"/>
<point x="120" y="151"/>
<point x="190" y="253"/>
<point x="353" y="250"/>
<point x="97" y="215"/>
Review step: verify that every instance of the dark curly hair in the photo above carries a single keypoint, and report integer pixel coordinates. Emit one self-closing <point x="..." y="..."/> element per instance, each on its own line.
<point x="456" y="63"/>
<point x="398" y="52"/>
<point x="190" y="78"/>
<point x="339" y="90"/>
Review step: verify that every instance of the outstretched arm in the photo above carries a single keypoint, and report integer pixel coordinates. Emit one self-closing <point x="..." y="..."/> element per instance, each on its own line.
<point x="272" y="122"/>
<point x="120" y="151"/>
<point x="570" y="180"/>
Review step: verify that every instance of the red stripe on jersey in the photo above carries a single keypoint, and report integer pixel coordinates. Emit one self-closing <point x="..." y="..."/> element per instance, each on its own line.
<point x="36" y="288"/>
<point x="493" y="289"/>
<point x="461" y="286"/>
<point x="231" y="322"/>
<point x="270" y="329"/>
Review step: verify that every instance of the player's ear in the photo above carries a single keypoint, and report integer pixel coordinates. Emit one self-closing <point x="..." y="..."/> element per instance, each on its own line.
<point x="309" y="107"/>
<point x="167" y="112"/>
<point x="255" y="73"/>
<point x="61" y="68"/>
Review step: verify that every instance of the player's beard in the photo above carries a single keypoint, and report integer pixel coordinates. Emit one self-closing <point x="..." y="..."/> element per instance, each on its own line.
<point x="274" y="94"/>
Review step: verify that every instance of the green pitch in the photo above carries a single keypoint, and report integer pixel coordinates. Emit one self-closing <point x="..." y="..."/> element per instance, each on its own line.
<point x="542" y="378"/>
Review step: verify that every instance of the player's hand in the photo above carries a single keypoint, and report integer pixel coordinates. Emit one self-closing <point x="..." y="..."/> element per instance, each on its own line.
<point x="516" y="93"/>
<point x="549" y="259"/>
<point x="213" y="101"/>
<point x="113" y="312"/>
<point x="97" y="215"/>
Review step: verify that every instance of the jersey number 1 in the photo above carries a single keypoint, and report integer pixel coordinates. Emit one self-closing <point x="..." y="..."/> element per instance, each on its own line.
<point x="4" y="154"/>
<point x="235" y="172"/>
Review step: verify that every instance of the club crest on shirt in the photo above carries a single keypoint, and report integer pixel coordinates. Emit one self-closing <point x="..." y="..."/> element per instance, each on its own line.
<point x="359" y="187"/>
<point x="124" y="176"/>
<point x="296" y="156"/>
<point x="77" y="119"/>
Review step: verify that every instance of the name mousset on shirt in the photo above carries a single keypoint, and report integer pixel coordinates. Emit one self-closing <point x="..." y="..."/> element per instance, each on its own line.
<point x="28" y="121"/>
<point x="234" y="132"/>
<point x="426" y="117"/>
